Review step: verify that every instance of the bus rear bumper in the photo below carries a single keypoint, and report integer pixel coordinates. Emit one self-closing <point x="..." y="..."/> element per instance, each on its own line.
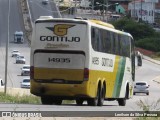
<point x="65" y="91"/>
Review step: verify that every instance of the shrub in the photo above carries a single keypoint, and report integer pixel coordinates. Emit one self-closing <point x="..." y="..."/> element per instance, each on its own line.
<point x="149" y="44"/>
<point x="137" y="30"/>
<point x="144" y="35"/>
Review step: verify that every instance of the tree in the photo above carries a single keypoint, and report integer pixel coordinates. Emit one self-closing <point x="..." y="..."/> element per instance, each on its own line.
<point x="144" y="35"/>
<point x="138" y="30"/>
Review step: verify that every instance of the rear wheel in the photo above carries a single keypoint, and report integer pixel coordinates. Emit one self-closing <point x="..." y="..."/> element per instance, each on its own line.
<point x="94" y="101"/>
<point x="147" y="93"/>
<point x="101" y="96"/>
<point x="46" y="100"/>
<point x="57" y="101"/>
<point x="122" y="101"/>
<point x="79" y="101"/>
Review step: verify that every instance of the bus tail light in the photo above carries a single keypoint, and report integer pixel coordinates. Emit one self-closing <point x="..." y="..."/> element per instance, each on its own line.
<point x="86" y="73"/>
<point x="32" y="72"/>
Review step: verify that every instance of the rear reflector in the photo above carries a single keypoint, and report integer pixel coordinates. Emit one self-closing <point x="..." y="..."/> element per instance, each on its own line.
<point x="32" y="72"/>
<point x="86" y="73"/>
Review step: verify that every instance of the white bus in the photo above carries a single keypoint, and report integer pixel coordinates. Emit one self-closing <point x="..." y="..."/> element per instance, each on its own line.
<point x="82" y="60"/>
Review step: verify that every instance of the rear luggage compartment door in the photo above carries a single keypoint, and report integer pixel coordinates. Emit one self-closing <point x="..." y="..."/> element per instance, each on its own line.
<point x="59" y="66"/>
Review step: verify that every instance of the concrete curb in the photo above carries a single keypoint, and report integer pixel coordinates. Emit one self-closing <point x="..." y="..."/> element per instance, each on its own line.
<point x="26" y="19"/>
<point x="157" y="81"/>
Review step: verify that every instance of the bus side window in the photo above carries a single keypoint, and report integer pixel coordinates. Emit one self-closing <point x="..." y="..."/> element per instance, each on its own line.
<point x="108" y="42"/>
<point x="124" y="46"/>
<point x="93" y="38"/>
<point x="117" y="45"/>
<point x="112" y="43"/>
<point x="127" y="46"/>
<point x="97" y="39"/>
<point x="121" y="40"/>
<point x="102" y="41"/>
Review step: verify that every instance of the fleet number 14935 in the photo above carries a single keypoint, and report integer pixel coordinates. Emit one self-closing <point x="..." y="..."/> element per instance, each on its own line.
<point x="59" y="60"/>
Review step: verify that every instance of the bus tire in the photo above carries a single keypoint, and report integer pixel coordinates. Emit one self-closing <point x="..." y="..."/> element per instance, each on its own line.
<point x="122" y="101"/>
<point x="94" y="101"/>
<point x="46" y="100"/>
<point x="57" y="102"/>
<point x="101" y="96"/>
<point x="79" y="102"/>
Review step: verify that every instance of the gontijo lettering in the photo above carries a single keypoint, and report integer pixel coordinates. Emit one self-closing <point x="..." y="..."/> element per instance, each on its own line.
<point x="60" y="30"/>
<point x="59" y="39"/>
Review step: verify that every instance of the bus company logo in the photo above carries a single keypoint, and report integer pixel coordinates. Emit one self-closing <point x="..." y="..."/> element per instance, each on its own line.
<point x="60" y="29"/>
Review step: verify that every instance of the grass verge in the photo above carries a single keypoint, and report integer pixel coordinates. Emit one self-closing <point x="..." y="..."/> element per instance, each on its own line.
<point x="28" y="99"/>
<point x="25" y="99"/>
<point x="156" y="56"/>
<point x="148" y="107"/>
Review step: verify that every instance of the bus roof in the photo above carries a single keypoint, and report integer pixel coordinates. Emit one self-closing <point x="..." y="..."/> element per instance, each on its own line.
<point x="102" y="23"/>
<point x="46" y="18"/>
<point x="82" y="21"/>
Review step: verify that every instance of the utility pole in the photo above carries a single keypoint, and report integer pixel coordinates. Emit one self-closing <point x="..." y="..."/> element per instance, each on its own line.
<point x="107" y="10"/>
<point x="141" y="10"/>
<point x="134" y="10"/>
<point x="7" y="44"/>
<point x="92" y="7"/>
<point x="103" y="10"/>
<point x="75" y="9"/>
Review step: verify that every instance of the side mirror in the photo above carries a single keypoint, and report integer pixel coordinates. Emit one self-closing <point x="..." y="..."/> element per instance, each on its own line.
<point x="139" y="61"/>
<point x="2" y="83"/>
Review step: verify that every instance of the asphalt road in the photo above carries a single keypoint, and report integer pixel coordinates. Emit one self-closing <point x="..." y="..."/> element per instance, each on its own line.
<point x="38" y="9"/>
<point x="15" y="24"/>
<point x="147" y="72"/>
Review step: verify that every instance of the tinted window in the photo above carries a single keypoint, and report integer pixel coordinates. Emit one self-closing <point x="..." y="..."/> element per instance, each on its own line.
<point x="117" y="44"/>
<point x="110" y="42"/>
<point x="26" y="80"/>
<point x="26" y="67"/>
<point x="124" y="45"/>
<point x="107" y="42"/>
<point x="101" y="40"/>
<point x="140" y="83"/>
